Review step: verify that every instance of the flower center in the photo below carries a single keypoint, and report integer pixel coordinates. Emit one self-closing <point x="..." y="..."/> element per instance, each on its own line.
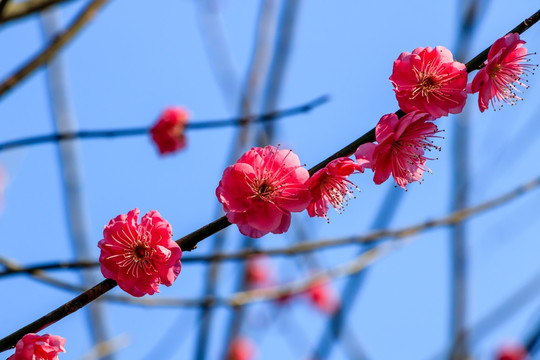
<point x="496" y="69"/>
<point x="140" y="252"/>
<point x="265" y="190"/>
<point x="428" y="84"/>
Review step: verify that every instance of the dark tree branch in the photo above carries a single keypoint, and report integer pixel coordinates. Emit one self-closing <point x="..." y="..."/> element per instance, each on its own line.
<point x="189" y="242"/>
<point x="479" y="59"/>
<point x="246" y="297"/>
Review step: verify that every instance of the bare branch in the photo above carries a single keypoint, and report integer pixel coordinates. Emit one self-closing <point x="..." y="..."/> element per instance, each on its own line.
<point x="53" y="47"/>
<point x="17" y="10"/>
<point x="189" y="242"/>
<point x="198" y="125"/>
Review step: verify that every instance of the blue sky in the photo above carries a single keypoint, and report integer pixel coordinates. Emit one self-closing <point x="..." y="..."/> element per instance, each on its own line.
<point x="136" y="58"/>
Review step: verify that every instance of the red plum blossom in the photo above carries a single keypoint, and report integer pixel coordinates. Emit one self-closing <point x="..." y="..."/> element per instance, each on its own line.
<point x="512" y="352"/>
<point x="323" y="297"/>
<point x="329" y="186"/>
<point x="504" y="68"/>
<point x="241" y="348"/>
<point x="431" y="81"/>
<point x="261" y="190"/>
<point x="400" y="148"/>
<point x="38" y="347"/>
<point x="142" y="256"/>
<point x="168" y="131"/>
<point x="258" y="271"/>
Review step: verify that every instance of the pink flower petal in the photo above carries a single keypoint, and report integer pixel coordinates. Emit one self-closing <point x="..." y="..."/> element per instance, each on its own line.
<point x="139" y="257"/>
<point x="168" y="132"/>
<point x="429" y="80"/>
<point x="400" y="149"/>
<point x="260" y="191"/>
<point x="36" y="347"/>
<point x="505" y="67"/>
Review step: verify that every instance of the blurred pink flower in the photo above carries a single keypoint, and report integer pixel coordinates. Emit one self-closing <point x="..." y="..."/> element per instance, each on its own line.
<point x="258" y="271"/>
<point x="38" y="347"/>
<point x="504" y="68"/>
<point x="429" y="80"/>
<point x="241" y="348"/>
<point x="142" y="256"/>
<point x="323" y="297"/>
<point x="168" y="131"/>
<point x="400" y="148"/>
<point x="512" y="352"/>
<point x="329" y="186"/>
<point x="261" y="190"/>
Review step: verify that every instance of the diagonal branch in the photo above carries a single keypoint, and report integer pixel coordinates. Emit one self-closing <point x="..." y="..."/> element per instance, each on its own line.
<point x="17" y="10"/>
<point x="53" y="47"/>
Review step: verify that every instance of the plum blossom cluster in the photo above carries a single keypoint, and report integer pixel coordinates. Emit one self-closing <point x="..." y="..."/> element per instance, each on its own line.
<point x="261" y="190"/>
<point x="428" y="84"/>
<point x="266" y="185"/>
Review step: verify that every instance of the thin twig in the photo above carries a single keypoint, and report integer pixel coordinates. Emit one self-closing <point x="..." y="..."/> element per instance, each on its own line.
<point x="354" y="286"/>
<point x="53" y="47"/>
<point x="218" y="52"/>
<point x="41" y="275"/>
<point x="499" y="314"/>
<point x="458" y="240"/>
<point x="3" y="4"/>
<point x="279" y="292"/>
<point x="104" y="349"/>
<point x="17" y="10"/>
<point x="204" y="124"/>
<point x="189" y="242"/>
